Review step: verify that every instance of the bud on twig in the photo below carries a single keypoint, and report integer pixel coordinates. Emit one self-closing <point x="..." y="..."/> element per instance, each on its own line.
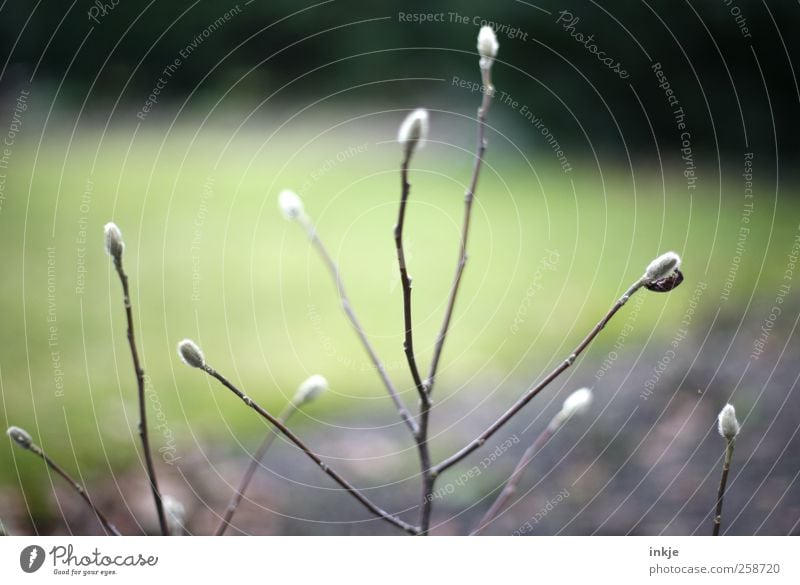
<point x="310" y="389"/>
<point x="190" y="354"/>
<point x="413" y="131"/>
<point x="576" y="403"/>
<point x="487" y="46"/>
<point x="727" y="424"/>
<point x="290" y="205"/>
<point x="176" y="515"/>
<point x="663" y="266"/>
<point x="24" y="440"/>
<point x="114" y="244"/>
<point x="20" y="437"/>
<point x="663" y="273"/>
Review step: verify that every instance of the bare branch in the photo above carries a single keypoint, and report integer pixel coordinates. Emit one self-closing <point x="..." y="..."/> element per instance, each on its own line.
<point x="405" y="279"/>
<point x="723" y="481"/>
<point x="115" y="247"/>
<point x="348" y="309"/>
<point x="23" y="440"/>
<point x="278" y="424"/>
<point x="252" y="467"/>
<point x="513" y="481"/>
<point x="469" y="197"/>
<point x="495" y="426"/>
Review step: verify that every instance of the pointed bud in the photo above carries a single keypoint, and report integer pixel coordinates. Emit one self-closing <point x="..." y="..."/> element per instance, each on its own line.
<point x="727" y="424"/>
<point x="413" y="131"/>
<point x="310" y="389"/>
<point x="20" y="437"/>
<point x="290" y="205"/>
<point x="114" y="244"/>
<point x="190" y="354"/>
<point x="176" y="515"/>
<point x="576" y="403"/>
<point x="487" y="44"/>
<point x="662" y="267"/>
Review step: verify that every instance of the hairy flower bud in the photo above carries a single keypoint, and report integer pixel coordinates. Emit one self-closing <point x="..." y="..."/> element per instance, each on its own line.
<point x="114" y="244"/>
<point x="20" y="437"/>
<point x="413" y="131"/>
<point x="576" y="403"/>
<point x="290" y="205"/>
<point x="487" y="45"/>
<point x="662" y="267"/>
<point x="190" y="354"/>
<point x="727" y="424"/>
<point x="310" y="389"/>
<point x="176" y="515"/>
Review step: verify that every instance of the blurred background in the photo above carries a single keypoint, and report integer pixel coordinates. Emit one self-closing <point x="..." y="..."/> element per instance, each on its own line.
<point x="618" y="131"/>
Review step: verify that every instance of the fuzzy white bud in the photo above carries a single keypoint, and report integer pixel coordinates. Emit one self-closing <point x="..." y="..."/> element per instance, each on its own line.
<point x="290" y="205"/>
<point x="114" y="244"/>
<point x="576" y="403"/>
<point x="176" y="515"/>
<point x="487" y="45"/>
<point x="414" y="130"/>
<point x="191" y="354"/>
<point x="662" y="266"/>
<point x="727" y="424"/>
<point x="20" y="437"/>
<point x="310" y="389"/>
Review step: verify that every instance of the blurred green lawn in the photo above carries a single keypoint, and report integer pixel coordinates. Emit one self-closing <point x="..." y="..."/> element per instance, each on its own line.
<point x="211" y="258"/>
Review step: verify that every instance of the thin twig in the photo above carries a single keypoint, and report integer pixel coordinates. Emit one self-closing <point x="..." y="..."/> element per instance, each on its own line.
<point x="252" y="467"/>
<point x="428" y="477"/>
<point x="421" y="436"/>
<point x="37" y="450"/>
<point x="513" y="481"/>
<point x="429" y="473"/>
<point x="726" y="466"/>
<point x="312" y="455"/>
<point x="143" y="434"/>
<point x="348" y="309"/>
<point x="495" y="426"/>
<point x="469" y="197"/>
<point x="405" y="279"/>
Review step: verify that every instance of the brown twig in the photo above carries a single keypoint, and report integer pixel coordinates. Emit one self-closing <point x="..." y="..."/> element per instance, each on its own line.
<point x="495" y="426"/>
<point x="143" y="434"/>
<point x="421" y="436"/>
<point x="348" y="309"/>
<point x="405" y="279"/>
<point x="252" y="467"/>
<point x="513" y="481"/>
<point x="312" y="455"/>
<point x="428" y="472"/>
<point x="28" y="445"/>
<point x="469" y="197"/>
<point x="726" y="466"/>
<point x="428" y="477"/>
